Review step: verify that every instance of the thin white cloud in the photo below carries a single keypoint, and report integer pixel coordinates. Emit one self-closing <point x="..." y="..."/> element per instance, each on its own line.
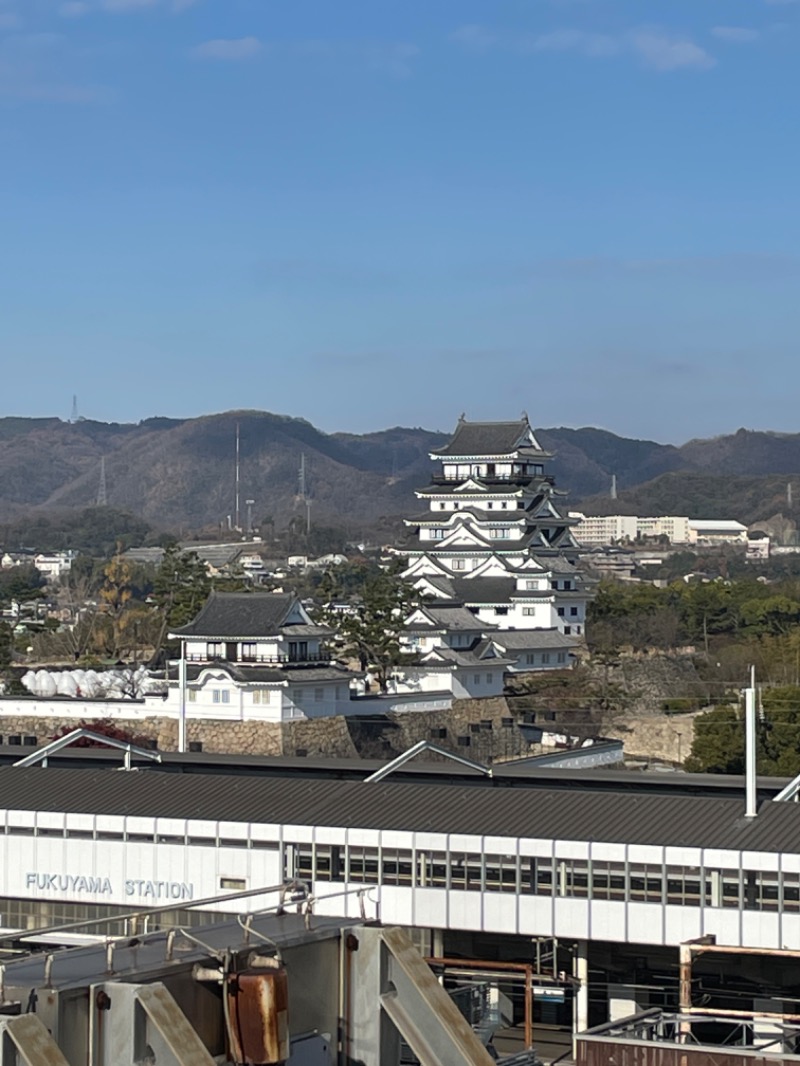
<point x="31" y="69"/>
<point x="122" y="6"/>
<point x="733" y="267"/>
<point x="475" y="37"/>
<point x="74" y="9"/>
<point x="663" y="52"/>
<point x="653" y="47"/>
<point x="226" y="48"/>
<point x="736" y="34"/>
<point x="588" y="44"/>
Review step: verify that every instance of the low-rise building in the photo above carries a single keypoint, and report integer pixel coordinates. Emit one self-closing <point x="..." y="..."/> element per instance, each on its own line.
<point x="258" y="656"/>
<point x="53" y="565"/>
<point x="595" y="530"/>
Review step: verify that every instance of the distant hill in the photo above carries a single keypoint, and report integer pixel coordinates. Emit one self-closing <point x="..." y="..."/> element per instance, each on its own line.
<point x="745" y="499"/>
<point x="178" y="474"/>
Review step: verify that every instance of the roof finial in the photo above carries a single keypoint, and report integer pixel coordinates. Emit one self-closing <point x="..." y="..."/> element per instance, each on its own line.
<point x="462" y="417"/>
<point x="525" y="416"/>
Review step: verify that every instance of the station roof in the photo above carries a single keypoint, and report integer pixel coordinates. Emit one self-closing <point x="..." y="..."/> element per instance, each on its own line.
<point x="629" y="812"/>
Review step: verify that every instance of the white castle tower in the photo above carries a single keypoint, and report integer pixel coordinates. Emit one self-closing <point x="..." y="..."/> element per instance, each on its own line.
<point x="494" y="537"/>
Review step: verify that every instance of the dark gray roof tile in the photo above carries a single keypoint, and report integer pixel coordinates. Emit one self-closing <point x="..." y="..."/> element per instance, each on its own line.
<point x="485" y="438"/>
<point x="240" y="614"/>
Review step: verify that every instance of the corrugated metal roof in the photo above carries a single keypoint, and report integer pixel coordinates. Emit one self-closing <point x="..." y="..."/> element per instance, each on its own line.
<point x="546" y="813"/>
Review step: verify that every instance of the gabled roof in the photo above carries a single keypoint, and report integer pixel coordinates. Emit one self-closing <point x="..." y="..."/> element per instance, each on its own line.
<point x="453" y="617"/>
<point x="232" y="615"/>
<point x="533" y="640"/>
<point x="481" y="654"/>
<point x="489" y="438"/>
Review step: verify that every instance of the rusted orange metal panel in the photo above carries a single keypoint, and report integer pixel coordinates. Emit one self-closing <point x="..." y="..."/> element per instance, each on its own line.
<point x="258" y="1009"/>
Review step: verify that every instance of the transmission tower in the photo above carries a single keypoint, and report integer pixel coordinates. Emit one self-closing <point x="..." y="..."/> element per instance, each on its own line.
<point x="302" y="490"/>
<point x="237" y="516"/>
<point x="102" y="491"/>
<point x="613" y="486"/>
<point x="74" y="416"/>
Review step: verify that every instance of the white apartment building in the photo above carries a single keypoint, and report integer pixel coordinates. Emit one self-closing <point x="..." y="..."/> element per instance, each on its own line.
<point x="592" y="530"/>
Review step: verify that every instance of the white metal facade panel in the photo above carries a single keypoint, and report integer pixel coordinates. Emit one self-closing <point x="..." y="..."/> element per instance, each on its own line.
<point x="759" y="860"/>
<point x="682" y="923"/>
<point x="572" y="918"/>
<point x="762" y="929"/>
<point x="499" y="912"/>
<point x="535" y="916"/>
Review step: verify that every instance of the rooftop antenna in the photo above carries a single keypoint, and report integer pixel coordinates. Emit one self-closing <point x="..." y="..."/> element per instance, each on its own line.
<point x="613" y="486"/>
<point x="237" y="523"/>
<point x="102" y="491"/>
<point x="74" y="416"/>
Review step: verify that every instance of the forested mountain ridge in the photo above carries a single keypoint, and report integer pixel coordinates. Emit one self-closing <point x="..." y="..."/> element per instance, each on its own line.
<point x="178" y="474"/>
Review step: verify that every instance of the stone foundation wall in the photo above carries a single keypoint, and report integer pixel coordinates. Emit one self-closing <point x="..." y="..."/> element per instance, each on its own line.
<point x="484" y="730"/>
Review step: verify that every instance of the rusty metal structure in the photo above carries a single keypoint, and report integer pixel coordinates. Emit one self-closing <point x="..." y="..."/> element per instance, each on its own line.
<point x="266" y="989"/>
<point x="698" y="1038"/>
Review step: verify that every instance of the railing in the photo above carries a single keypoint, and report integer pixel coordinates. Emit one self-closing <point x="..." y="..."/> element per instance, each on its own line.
<point x="262" y="660"/>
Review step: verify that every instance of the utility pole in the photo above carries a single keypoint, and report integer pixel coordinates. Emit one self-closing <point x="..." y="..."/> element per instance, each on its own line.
<point x="750" y="753"/>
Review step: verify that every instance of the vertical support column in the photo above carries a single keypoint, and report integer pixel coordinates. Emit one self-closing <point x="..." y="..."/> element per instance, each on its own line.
<point x="750" y="746"/>
<point x="580" y="1009"/>
<point x="182" y="698"/>
<point x="437" y="943"/>
<point x="685" y="991"/>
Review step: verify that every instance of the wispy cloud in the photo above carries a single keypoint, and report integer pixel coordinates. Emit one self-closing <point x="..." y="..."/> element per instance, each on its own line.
<point x="31" y="69"/>
<point x="75" y="9"/>
<point x="231" y="49"/>
<point x="736" y="34"/>
<point x="662" y="51"/>
<point x="735" y="266"/>
<point x="127" y="5"/>
<point x="655" y="48"/>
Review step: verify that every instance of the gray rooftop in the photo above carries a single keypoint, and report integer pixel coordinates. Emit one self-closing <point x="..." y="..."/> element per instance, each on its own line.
<point x="485" y="438"/>
<point x="634" y="815"/>
<point x="452" y="616"/>
<point x="231" y="615"/>
<point x="533" y="639"/>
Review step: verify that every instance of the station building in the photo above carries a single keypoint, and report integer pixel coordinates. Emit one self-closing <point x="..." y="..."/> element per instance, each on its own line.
<point x="610" y="871"/>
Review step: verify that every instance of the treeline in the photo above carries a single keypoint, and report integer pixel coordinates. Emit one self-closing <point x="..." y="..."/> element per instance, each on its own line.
<point x="719" y="737"/>
<point x="94" y="530"/>
<point x="642" y="615"/>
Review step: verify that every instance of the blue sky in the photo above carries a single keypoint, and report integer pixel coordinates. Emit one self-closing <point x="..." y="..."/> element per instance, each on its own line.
<point x="380" y="212"/>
